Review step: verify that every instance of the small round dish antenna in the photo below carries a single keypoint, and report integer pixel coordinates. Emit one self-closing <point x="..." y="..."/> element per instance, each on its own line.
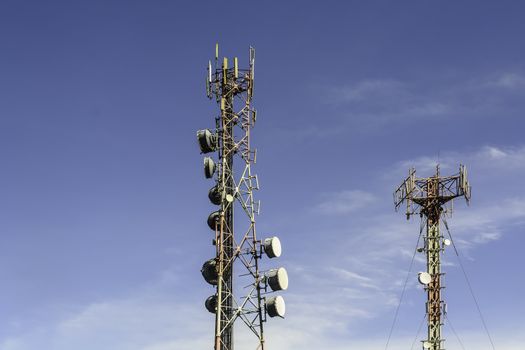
<point x="272" y="247"/>
<point x="424" y="278"/>
<point x="278" y="279"/>
<point x="207" y="141"/>
<point x="213" y="218"/>
<point x="447" y="242"/>
<point x="209" y="272"/>
<point x="275" y="306"/>
<point x="209" y="167"/>
<point x="211" y="303"/>
<point x="215" y="195"/>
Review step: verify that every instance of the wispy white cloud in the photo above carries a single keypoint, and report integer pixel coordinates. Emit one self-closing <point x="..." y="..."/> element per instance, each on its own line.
<point x="510" y="158"/>
<point x="345" y="202"/>
<point x="12" y="343"/>
<point x="148" y="318"/>
<point x="349" y="275"/>
<point x="508" y="80"/>
<point x="372" y="88"/>
<point x="486" y="223"/>
<point x="487" y="158"/>
<point x="370" y="104"/>
<point x="382" y="101"/>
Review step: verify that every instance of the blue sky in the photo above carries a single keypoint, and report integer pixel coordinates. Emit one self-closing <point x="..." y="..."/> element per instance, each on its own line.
<point x="103" y="205"/>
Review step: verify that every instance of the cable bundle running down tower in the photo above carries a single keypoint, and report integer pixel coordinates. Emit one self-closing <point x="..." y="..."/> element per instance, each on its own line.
<point x="432" y="197"/>
<point x="241" y="286"/>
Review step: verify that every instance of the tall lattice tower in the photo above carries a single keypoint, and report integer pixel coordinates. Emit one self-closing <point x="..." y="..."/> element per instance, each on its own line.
<point x="242" y="288"/>
<point x="431" y="198"/>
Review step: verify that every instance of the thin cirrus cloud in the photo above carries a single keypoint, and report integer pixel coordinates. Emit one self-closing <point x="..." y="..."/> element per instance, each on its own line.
<point x="344" y="202"/>
<point x="506" y="80"/>
<point x="140" y="320"/>
<point x="373" y="88"/>
<point x="384" y="100"/>
<point x="370" y="105"/>
<point x="380" y="101"/>
<point x="486" y="158"/>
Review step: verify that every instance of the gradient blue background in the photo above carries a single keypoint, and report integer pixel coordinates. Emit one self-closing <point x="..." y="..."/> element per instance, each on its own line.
<point x="103" y="202"/>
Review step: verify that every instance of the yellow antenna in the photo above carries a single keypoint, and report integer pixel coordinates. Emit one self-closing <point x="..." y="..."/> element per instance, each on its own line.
<point x="216" y="51"/>
<point x="225" y="69"/>
<point x="236" y="67"/>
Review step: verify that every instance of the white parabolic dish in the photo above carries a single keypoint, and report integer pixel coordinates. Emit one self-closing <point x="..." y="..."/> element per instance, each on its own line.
<point x="275" y="306"/>
<point x="278" y="279"/>
<point x="424" y="278"/>
<point x="209" y="167"/>
<point x="272" y="247"/>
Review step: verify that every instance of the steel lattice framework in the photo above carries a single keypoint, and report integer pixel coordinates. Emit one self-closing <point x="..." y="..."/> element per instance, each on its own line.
<point x="238" y="250"/>
<point x="432" y="197"/>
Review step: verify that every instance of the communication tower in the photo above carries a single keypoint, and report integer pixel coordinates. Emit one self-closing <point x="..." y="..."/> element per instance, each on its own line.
<point x="431" y="198"/>
<point x="242" y="289"/>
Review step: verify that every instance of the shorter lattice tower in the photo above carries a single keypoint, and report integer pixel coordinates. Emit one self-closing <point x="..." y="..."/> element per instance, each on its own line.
<point x="432" y="198"/>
